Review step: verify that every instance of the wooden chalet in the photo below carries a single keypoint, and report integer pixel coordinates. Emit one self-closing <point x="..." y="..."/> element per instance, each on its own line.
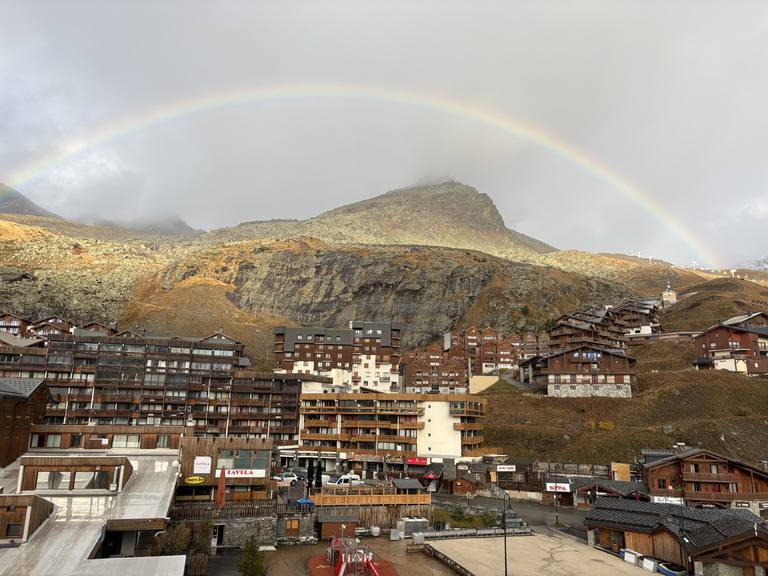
<point x="704" y="541"/>
<point x="732" y="347"/>
<point x="50" y="325"/>
<point x="22" y="404"/>
<point x="587" y="490"/>
<point x="706" y="479"/>
<point x="587" y="371"/>
<point x="96" y="327"/>
<point x="580" y="329"/>
<point x="636" y="318"/>
<point x="466" y="484"/>
<point x="13" y="324"/>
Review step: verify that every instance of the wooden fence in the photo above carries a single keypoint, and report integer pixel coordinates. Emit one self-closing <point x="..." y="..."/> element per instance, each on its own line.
<point x="242" y="509"/>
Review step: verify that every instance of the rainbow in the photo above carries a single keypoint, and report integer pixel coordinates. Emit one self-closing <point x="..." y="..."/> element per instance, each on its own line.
<point x="281" y="94"/>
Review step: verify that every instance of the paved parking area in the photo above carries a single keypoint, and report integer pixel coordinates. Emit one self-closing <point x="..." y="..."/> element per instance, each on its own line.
<point x="545" y="553"/>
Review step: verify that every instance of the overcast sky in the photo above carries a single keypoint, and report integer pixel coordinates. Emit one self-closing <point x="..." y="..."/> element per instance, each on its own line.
<point x="611" y="126"/>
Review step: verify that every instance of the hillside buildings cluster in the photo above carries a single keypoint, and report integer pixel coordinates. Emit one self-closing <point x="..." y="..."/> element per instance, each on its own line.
<point x="215" y="433"/>
<point x="334" y="396"/>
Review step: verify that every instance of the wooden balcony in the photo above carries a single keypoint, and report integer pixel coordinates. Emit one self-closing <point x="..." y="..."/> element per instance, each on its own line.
<point x="468" y="426"/>
<point x="329" y="437"/>
<point x="471" y="440"/>
<point x="723" y="496"/>
<point x="79" y="397"/>
<point x="123" y="398"/>
<point x="318" y="409"/>
<point x="366" y="496"/>
<point x="702" y="477"/>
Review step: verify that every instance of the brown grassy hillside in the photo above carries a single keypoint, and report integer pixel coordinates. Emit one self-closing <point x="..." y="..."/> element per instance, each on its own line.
<point x="704" y="304"/>
<point x="720" y="411"/>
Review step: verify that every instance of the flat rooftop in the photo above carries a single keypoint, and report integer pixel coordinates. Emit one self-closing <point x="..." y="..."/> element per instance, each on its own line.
<point x="61" y="546"/>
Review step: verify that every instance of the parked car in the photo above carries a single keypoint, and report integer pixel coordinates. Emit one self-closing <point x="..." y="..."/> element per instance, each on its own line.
<point x="287" y="477"/>
<point x="345" y="480"/>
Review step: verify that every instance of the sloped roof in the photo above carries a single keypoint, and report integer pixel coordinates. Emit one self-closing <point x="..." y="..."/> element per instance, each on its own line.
<point x="618" y="486"/>
<point x="13" y="340"/>
<point x="693" y="527"/>
<point x="19" y="387"/>
<point x="337" y="518"/>
<point x="407" y="484"/>
<point x="695" y="451"/>
<point x="468" y="478"/>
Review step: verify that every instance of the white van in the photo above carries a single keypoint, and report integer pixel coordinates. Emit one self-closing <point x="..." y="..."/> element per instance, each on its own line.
<point x="345" y="480"/>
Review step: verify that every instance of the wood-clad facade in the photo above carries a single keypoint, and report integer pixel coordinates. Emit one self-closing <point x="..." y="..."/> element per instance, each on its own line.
<point x="367" y="354"/>
<point x="67" y="473"/>
<point x="247" y="466"/>
<point x="22" y="405"/>
<point x="21" y="515"/>
<point x="707" y="479"/>
<point x="733" y="348"/>
<point x="69" y="436"/>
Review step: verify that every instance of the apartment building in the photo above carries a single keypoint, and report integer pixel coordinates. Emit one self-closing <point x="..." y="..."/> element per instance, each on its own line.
<point x="381" y="432"/>
<point x="365" y="355"/>
<point x="123" y="381"/>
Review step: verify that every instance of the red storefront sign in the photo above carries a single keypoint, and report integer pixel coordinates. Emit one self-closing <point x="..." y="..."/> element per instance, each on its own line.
<point x="417" y="461"/>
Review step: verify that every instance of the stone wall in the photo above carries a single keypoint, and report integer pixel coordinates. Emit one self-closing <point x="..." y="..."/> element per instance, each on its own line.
<point x="586" y="390"/>
<point x="237" y="532"/>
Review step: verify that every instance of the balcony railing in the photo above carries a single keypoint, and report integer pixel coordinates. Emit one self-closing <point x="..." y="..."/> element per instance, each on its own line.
<point x="706" y="477"/>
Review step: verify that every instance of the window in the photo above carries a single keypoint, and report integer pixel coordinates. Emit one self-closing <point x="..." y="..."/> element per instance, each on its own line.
<point x="126" y="441"/>
<point x="13" y="531"/>
<point x="164" y="441"/>
<point x="661" y="483"/>
<point x="53" y="441"/>
<point x="713" y="468"/>
<point x="243" y="459"/>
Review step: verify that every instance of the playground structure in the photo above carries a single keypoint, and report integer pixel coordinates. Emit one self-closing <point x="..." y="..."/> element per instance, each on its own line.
<point x="350" y="558"/>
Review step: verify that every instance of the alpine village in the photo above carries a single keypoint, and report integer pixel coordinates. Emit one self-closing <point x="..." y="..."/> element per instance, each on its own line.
<point x="392" y="384"/>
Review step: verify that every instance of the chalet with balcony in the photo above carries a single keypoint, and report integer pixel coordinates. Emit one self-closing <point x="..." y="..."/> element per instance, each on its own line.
<point x="578" y="329"/>
<point x="636" y="318"/>
<point x="582" y="372"/>
<point x="734" y="348"/>
<point x="13" y="324"/>
<point x="705" y="479"/>
<point x="50" y="325"/>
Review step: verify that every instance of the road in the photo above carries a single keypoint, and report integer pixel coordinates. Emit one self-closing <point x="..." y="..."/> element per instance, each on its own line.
<point x="533" y="513"/>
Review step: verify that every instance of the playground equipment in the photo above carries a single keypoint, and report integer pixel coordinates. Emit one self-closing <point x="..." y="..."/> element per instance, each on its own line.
<point x="350" y="558"/>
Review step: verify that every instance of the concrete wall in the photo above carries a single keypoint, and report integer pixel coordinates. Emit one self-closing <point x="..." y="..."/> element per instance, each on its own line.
<point x="438" y="437"/>
<point x="701" y="569"/>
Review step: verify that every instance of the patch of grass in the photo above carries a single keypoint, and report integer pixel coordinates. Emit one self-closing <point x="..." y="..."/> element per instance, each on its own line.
<point x="469" y="521"/>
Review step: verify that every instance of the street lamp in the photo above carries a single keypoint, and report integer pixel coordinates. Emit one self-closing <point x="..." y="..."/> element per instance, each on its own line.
<point x="504" y="523"/>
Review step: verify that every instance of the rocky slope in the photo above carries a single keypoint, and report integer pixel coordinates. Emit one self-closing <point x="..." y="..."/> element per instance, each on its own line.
<point x="430" y="290"/>
<point x="451" y="215"/>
